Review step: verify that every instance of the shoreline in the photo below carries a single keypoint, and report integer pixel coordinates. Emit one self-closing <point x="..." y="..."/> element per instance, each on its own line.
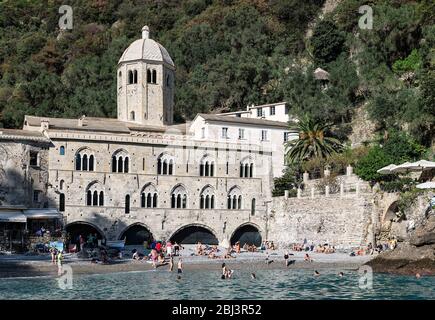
<point x="40" y="266"/>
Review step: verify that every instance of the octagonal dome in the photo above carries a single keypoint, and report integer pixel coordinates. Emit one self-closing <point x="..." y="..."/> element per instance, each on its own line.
<point x="146" y="49"/>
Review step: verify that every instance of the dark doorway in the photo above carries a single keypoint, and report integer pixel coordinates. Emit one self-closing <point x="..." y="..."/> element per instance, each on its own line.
<point x="193" y="235"/>
<point x="75" y="229"/>
<point x="137" y="235"/>
<point x="247" y="234"/>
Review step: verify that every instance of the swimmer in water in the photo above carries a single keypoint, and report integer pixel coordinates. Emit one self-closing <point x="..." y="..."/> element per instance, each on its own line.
<point x="341" y="274"/>
<point x="253" y="276"/>
<point x="316" y="273"/>
<point x="417" y="275"/>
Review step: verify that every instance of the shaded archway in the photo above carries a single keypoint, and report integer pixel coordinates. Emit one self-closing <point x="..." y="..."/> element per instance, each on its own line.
<point x="75" y="229"/>
<point x="394" y="223"/>
<point x="246" y="234"/>
<point x="193" y="234"/>
<point x="137" y="234"/>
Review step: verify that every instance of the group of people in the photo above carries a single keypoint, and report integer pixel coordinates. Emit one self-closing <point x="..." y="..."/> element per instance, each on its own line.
<point x="320" y="248"/>
<point x="370" y="249"/>
<point x="266" y="245"/>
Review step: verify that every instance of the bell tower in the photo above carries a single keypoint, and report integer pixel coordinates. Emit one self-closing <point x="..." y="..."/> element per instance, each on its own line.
<point x="145" y="83"/>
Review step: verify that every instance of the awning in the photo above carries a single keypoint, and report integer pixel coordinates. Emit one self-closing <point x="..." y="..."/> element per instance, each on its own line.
<point x="42" y="214"/>
<point x="12" y="216"/>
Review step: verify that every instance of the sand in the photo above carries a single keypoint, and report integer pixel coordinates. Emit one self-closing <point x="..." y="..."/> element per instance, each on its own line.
<point x="40" y="265"/>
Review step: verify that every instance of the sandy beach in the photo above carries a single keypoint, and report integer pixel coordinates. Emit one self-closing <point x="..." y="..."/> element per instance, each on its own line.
<point x="40" y="265"/>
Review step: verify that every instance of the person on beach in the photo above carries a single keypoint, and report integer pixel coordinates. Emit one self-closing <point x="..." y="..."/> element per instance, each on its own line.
<point x="176" y="248"/>
<point x="53" y="253"/>
<point x="308" y="258"/>
<point x="81" y="242"/>
<point x="286" y="258"/>
<point x="169" y="248"/>
<point x="180" y="266"/>
<point x="171" y="263"/>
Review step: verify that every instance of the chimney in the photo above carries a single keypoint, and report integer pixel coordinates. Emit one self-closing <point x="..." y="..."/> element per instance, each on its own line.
<point x="81" y="121"/>
<point x="44" y="124"/>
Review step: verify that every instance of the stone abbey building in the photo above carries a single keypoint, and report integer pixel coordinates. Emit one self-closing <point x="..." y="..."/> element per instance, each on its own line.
<point x="140" y="176"/>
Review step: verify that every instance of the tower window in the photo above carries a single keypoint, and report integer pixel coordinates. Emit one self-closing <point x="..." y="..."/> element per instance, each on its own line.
<point x="154" y="79"/>
<point x="62" y="150"/>
<point x="135" y="76"/>
<point x="130" y="77"/>
<point x="127" y="203"/>
<point x="149" y="76"/>
<point x="132" y="116"/>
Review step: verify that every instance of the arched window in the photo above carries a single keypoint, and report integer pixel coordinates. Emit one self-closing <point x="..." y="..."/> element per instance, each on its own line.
<point x="91" y="163"/>
<point x="130" y="77"/>
<point x="120" y="164"/>
<point x="135" y="76"/>
<point x="61" y="184"/>
<point x="149" y="76"/>
<point x="89" y="198"/>
<point x="62" y="150"/>
<point x="127" y="203"/>
<point x="114" y="164"/>
<point x="95" y="198"/>
<point x="247" y="168"/>
<point x="179" y="197"/>
<point x="132" y="115"/>
<point x="78" y="162"/>
<point x="61" y="202"/>
<point x="154" y="80"/>
<point x="85" y="160"/>
<point x="206" y="167"/>
<point x="207" y="198"/>
<point x="101" y="199"/>
<point x="95" y="194"/>
<point x="165" y="164"/>
<point x="235" y="199"/>
<point x="120" y="161"/>
<point x="149" y="196"/>
<point x="253" y="207"/>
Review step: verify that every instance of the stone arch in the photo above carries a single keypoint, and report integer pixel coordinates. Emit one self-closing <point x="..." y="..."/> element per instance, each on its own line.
<point x="165" y="163"/>
<point x="85" y="159"/>
<point x="136" y="234"/>
<point x="84" y="228"/>
<point x="249" y="233"/>
<point x="194" y="232"/>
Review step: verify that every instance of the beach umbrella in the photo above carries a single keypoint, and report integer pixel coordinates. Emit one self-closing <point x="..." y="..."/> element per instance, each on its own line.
<point x="403" y="168"/>
<point x="423" y="164"/>
<point x="426" y="185"/>
<point x="387" y="169"/>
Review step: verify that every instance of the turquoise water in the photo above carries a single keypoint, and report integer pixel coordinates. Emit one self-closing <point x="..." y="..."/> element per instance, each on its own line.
<point x="270" y="284"/>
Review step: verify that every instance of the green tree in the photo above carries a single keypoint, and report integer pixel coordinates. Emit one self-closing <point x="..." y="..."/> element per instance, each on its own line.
<point x="313" y="142"/>
<point x="327" y="42"/>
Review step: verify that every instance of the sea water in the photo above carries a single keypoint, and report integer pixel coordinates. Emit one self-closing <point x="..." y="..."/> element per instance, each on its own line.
<point x="206" y="284"/>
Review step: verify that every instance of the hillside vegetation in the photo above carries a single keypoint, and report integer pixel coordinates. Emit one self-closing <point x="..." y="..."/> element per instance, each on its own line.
<point x="228" y="53"/>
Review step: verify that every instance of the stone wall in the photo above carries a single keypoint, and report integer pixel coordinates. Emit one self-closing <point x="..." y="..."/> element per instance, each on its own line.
<point x="18" y="179"/>
<point x="345" y="222"/>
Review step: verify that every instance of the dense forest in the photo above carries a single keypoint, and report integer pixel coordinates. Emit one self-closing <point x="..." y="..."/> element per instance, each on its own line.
<point x="228" y="53"/>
